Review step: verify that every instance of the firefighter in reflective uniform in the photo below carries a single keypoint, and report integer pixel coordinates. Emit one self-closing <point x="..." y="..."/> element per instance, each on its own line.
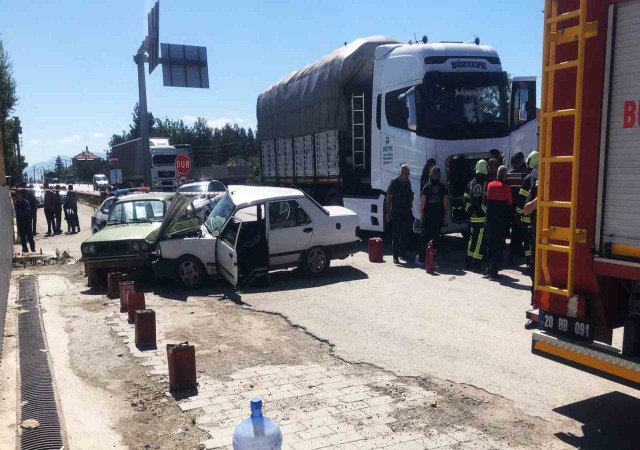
<point x="527" y="184"/>
<point x="475" y="205"/>
<point x="514" y="181"/>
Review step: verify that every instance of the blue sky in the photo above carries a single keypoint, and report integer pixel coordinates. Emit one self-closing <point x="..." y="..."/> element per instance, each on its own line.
<point x="77" y="82"/>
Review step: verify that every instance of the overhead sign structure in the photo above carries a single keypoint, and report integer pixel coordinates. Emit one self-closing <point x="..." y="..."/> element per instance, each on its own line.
<point x="183" y="165"/>
<point x="153" y="37"/>
<point x="184" y="66"/>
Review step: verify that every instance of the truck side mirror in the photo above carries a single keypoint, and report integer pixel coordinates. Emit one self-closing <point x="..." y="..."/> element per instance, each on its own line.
<point x="410" y="100"/>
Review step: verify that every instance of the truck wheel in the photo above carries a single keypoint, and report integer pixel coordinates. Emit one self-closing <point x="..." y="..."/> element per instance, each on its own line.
<point x="333" y="198"/>
<point x="316" y="261"/>
<point x="190" y="272"/>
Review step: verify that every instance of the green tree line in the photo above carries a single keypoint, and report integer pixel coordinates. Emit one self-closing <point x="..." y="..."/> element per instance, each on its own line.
<point x="8" y="102"/>
<point x="211" y="146"/>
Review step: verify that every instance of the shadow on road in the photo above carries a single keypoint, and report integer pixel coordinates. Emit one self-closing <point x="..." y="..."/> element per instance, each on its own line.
<point x="290" y="280"/>
<point x="609" y="421"/>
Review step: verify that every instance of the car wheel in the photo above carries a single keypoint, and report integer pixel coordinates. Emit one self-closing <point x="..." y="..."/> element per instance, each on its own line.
<point x="190" y="272"/>
<point x="92" y="276"/>
<point x="317" y="261"/>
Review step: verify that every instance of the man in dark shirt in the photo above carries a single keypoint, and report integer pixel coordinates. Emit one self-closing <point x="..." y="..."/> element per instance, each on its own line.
<point x="434" y="210"/>
<point x="48" y="210"/>
<point x="23" y="219"/>
<point x="499" y="201"/>
<point x="399" y="202"/>
<point x="30" y="196"/>
<point x="57" y="210"/>
<point x="71" y="208"/>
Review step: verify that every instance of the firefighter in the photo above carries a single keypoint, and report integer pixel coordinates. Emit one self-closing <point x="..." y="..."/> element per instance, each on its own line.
<point x="525" y="221"/>
<point x="475" y="205"/>
<point x="499" y="201"/>
<point x="530" y="210"/>
<point x="514" y="181"/>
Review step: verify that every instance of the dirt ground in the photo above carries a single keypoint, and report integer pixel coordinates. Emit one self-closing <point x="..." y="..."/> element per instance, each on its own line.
<point x="230" y="336"/>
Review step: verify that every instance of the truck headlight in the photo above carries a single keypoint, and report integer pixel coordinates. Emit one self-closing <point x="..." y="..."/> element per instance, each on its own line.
<point x="135" y="246"/>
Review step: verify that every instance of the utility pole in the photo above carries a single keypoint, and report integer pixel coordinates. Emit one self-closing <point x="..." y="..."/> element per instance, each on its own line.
<point x="139" y="59"/>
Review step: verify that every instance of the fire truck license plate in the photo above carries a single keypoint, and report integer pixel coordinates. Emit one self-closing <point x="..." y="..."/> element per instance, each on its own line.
<point x="568" y="326"/>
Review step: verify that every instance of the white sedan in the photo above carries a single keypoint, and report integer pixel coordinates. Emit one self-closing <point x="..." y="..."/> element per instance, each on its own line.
<point x="252" y="230"/>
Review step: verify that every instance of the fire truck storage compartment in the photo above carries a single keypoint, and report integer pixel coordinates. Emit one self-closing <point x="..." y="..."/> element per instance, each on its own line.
<point x="620" y="207"/>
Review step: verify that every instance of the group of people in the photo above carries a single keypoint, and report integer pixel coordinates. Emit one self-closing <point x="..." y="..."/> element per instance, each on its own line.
<point x="26" y="209"/>
<point x="500" y="203"/>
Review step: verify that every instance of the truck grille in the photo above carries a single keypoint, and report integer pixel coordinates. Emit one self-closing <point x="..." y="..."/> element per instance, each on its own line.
<point x="167" y="173"/>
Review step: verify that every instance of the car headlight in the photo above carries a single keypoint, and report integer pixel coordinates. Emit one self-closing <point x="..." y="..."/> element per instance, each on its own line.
<point x="84" y="249"/>
<point x="92" y="249"/>
<point x="135" y="246"/>
<point x="144" y="246"/>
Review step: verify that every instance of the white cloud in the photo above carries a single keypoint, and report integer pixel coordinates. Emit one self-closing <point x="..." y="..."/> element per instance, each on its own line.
<point x="189" y="120"/>
<point x="33" y="141"/>
<point x="98" y="135"/>
<point x="219" y="122"/>
<point x="69" y="139"/>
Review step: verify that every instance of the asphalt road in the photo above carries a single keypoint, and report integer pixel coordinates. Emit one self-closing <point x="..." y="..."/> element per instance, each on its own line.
<point x="455" y="326"/>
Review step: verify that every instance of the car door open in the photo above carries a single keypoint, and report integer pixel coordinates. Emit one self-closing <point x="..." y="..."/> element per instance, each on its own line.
<point x="226" y="255"/>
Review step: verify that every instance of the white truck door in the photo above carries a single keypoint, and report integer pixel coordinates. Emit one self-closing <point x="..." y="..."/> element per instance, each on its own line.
<point x="620" y="208"/>
<point x="524" y="123"/>
<point x="226" y="256"/>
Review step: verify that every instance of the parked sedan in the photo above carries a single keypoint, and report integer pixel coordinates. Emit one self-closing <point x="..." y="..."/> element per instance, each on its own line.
<point x="204" y="195"/>
<point x="252" y="230"/>
<point x="128" y="241"/>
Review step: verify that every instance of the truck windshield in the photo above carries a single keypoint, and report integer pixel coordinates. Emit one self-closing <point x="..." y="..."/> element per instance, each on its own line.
<point x="465" y="105"/>
<point x="220" y="213"/>
<point x="164" y="160"/>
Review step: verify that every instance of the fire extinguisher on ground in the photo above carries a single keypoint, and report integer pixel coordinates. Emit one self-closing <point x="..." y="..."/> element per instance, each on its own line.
<point x="431" y="257"/>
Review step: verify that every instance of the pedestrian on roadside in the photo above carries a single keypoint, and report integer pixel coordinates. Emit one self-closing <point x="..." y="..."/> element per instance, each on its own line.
<point x="71" y="208"/>
<point x="57" y="210"/>
<point x="399" y="202"/>
<point x="22" y="209"/>
<point x="527" y="183"/>
<point x="48" y="210"/>
<point x="495" y="154"/>
<point x="30" y="196"/>
<point x="475" y="205"/>
<point x="514" y="181"/>
<point x="434" y="210"/>
<point x="530" y="210"/>
<point x="499" y="201"/>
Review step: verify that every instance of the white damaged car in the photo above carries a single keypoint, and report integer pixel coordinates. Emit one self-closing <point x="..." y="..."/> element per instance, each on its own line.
<point x="252" y="230"/>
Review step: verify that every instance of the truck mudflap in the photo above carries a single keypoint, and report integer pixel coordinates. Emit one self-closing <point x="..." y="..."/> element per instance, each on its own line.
<point x="595" y="358"/>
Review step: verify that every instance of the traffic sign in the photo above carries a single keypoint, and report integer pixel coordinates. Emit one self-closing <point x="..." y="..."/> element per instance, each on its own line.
<point x="183" y="164"/>
<point x="114" y="159"/>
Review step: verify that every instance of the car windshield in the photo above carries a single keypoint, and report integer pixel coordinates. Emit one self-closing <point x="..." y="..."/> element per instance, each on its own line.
<point x="465" y="106"/>
<point x="220" y="213"/>
<point x="192" y="190"/>
<point x="137" y="211"/>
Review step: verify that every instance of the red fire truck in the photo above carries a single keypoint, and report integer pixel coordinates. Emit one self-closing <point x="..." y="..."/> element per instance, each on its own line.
<point x="587" y="267"/>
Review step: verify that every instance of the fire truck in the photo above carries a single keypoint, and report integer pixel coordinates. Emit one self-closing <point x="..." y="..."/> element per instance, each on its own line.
<point x="587" y="255"/>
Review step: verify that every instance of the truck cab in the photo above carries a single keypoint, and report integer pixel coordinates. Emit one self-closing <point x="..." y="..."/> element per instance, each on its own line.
<point x="163" y="165"/>
<point x="449" y="101"/>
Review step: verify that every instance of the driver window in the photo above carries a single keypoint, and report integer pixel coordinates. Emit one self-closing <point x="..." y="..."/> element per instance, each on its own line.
<point x="287" y="214"/>
<point x="521" y="105"/>
<point x="106" y="207"/>
<point x="231" y="231"/>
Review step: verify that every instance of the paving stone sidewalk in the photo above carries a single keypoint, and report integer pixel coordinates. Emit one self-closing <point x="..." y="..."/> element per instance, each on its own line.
<point x="338" y="406"/>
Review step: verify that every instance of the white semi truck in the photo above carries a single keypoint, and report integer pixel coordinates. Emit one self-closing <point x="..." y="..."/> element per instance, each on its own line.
<point x="341" y="127"/>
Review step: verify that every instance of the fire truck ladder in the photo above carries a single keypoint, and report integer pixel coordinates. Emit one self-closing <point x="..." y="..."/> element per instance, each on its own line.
<point x="553" y="37"/>
<point x="358" y="132"/>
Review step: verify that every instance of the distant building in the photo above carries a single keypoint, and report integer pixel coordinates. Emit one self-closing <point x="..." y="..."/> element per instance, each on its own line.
<point x="86" y="164"/>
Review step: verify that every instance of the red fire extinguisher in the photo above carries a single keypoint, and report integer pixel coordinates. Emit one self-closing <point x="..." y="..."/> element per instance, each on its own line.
<point x="431" y="257"/>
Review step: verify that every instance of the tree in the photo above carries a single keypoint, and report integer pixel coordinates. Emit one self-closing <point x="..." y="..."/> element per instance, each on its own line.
<point x="59" y="167"/>
<point x="8" y="101"/>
